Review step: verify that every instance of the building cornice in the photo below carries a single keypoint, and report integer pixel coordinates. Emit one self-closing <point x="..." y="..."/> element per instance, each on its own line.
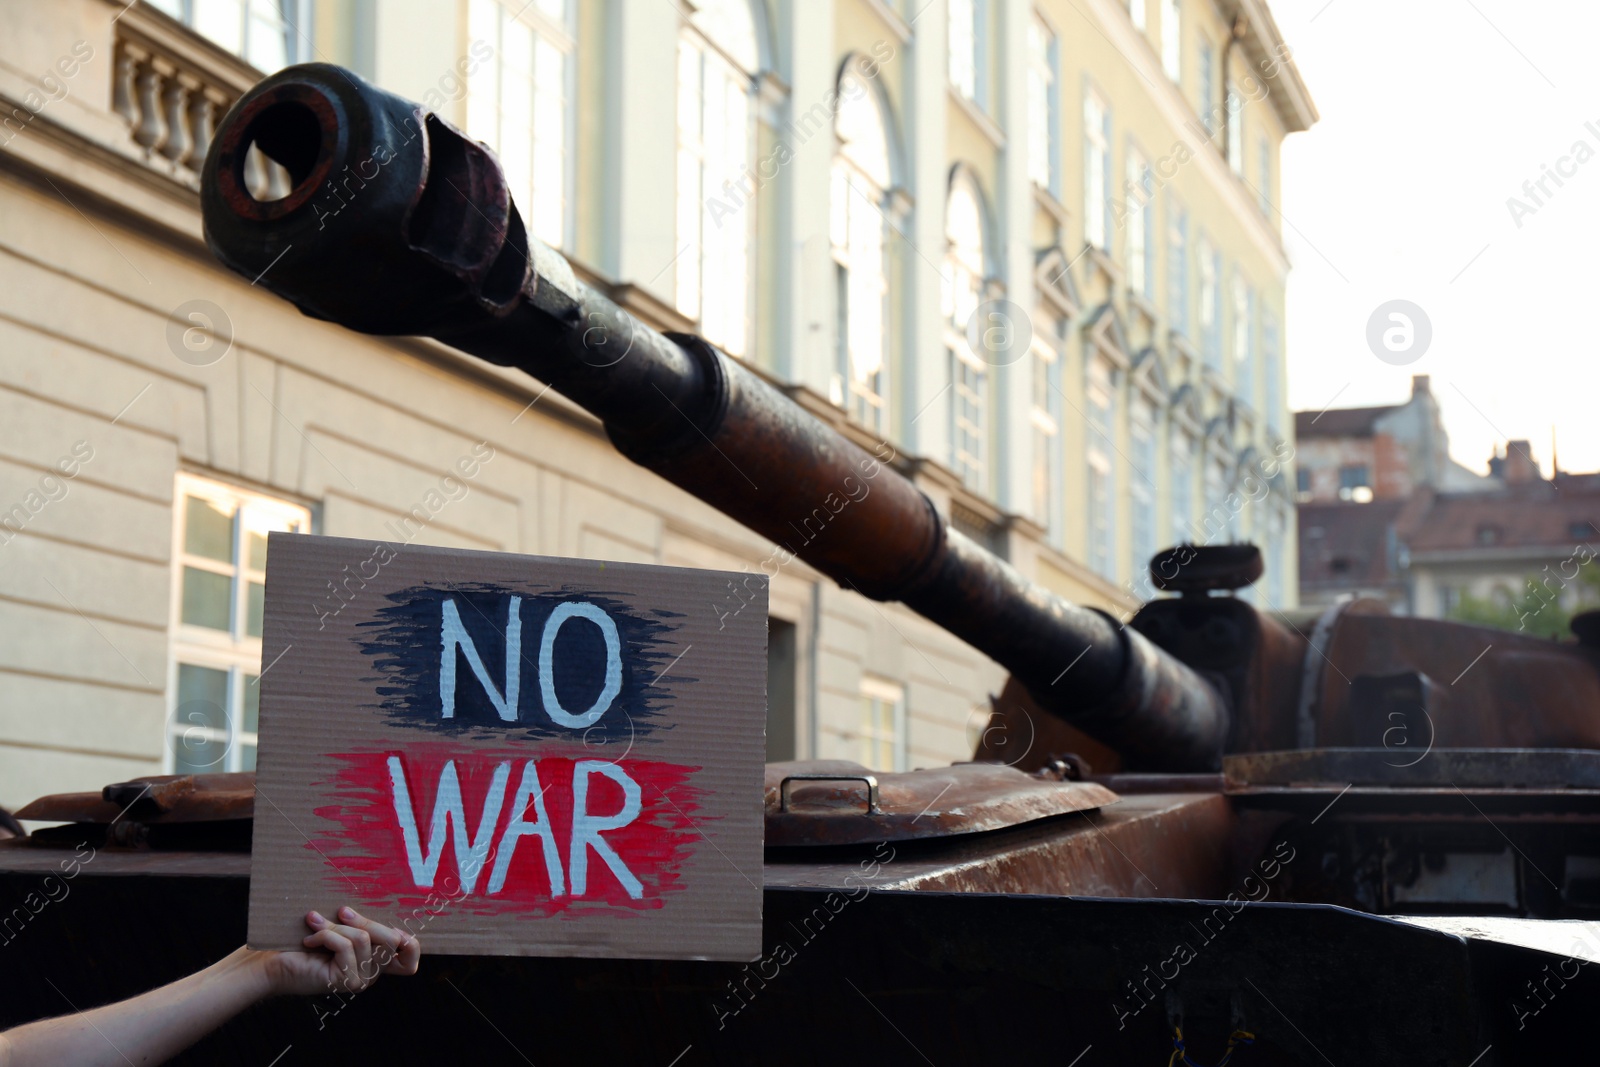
<point x="1179" y="115"/>
<point x="979" y="119"/>
<point x="1265" y="46"/>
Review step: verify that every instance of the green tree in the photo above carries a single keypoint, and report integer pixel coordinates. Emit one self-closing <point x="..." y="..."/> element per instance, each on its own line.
<point x="1539" y="612"/>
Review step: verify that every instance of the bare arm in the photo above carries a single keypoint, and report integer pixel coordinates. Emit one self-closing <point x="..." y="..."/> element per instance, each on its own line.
<point x="157" y="1025"/>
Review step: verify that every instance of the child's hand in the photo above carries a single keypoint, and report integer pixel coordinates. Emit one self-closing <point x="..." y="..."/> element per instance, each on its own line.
<point x="344" y="957"/>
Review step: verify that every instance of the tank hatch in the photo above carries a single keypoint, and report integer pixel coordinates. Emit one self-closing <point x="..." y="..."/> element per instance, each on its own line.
<point x="836" y="802"/>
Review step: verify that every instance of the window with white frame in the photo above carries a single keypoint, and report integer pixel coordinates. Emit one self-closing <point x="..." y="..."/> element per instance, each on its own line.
<point x="1096" y="170"/>
<point x="1207" y="105"/>
<point x="1180" y="480"/>
<point x="1272" y="367"/>
<point x="1042" y="167"/>
<point x="1142" y="430"/>
<point x="1172" y="39"/>
<point x="881" y="729"/>
<point x="1177" y="266"/>
<point x="219" y="591"/>
<point x="1139" y="213"/>
<point x="966" y="47"/>
<point x="970" y="398"/>
<point x="520" y="102"/>
<point x="857" y="230"/>
<point x="1136" y="12"/>
<point x="718" y="57"/>
<point x="1210" y="303"/>
<point x="267" y="34"/>
<point x="1244" y="361"/>
<point x="1215" y="504"/>
<point x="1100" y="447"/>
<point x="1276" y="556"/>
<point x="1045" y="420"/>
<point x="964" y="274"/>
<point x="1235" y="122"/>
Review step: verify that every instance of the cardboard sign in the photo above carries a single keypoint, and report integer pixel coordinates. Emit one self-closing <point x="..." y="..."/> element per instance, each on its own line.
<point x="510" y="755"/>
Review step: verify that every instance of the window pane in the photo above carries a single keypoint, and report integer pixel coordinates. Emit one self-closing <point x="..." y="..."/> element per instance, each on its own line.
<point x="206" y="599"/>
<point x="1096" y="162"/>
<point x="257" y="550"/>
<point x="197" y="753"/>
<point x="247" y="757"/>
<point x="200" y="720"/>
<point x="208" y="530"/>
<point x="269" y="37"/>
<point x="222" y="21"/>
<point x="483" y="84"/>
<point x="964" y="47"/>
<point x="1041" y="96"/>
<point x="202" y="697"/>
<point x="861" y="127"/>
<point x="1172" y="39"/>
<point x="516" y="115"/>
<point x="252" y="702"/>
<point x="730" y="24"/>
<point x="256" y="600"/>
<point x="550" y="139"/>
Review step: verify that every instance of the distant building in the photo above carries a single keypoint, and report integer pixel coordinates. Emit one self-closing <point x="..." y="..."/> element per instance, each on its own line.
<point x="1385" y="512"/>
<point x="1351" y="549"/>
<point x="1489" y="545"/>
<point x="1377" y="453"/>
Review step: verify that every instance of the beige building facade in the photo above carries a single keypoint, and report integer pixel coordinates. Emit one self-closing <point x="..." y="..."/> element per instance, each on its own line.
<point x="981" y="236"/>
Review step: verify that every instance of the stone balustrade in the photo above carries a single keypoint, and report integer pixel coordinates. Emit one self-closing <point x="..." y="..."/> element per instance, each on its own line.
<point x="171" y="88"/>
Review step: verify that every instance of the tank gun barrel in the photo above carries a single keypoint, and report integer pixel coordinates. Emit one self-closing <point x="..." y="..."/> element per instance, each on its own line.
<point x="397" y="224"/>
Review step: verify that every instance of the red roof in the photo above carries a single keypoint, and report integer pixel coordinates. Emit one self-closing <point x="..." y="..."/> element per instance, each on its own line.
<point x="1532" y="515"/>
<point x="1339" y="422"/>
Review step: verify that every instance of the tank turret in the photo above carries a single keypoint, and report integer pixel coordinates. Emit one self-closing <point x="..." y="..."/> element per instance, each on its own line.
<point x="396" y="223"/>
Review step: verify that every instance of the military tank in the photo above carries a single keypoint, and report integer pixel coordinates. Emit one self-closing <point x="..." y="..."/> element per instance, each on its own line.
<point x="1205" y="834"/>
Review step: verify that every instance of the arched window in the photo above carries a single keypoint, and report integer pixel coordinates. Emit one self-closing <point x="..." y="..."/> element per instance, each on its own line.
<point x="718" y="58"/>
<point x="861" y="181"/>
<point x="964" y="272"/>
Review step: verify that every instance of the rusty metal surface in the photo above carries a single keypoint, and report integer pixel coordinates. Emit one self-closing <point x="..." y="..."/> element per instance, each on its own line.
<point x="89" y="860"/>
<point x="1505" y="689"/>
<point x="1156" y="845"/>
<point x="1497" y="769"/>
<point x="1161" y="783"/>
<point x="836" y="802"/>
<point x="393" y="262"/>
<point x="1023" y="735"/>
<point x="1256" y="657"/>
<point x="1313" y="665"/>
<point x="168" y="798"/>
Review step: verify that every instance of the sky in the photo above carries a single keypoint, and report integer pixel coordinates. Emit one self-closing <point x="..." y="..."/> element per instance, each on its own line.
<point x="1434" y="114"/>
